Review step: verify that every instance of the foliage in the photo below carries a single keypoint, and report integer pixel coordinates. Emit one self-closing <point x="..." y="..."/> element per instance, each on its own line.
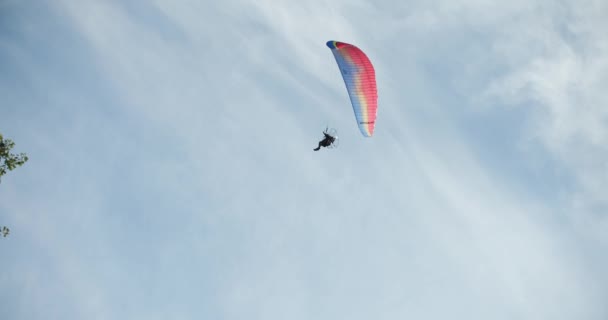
<point x="9" y="161"/>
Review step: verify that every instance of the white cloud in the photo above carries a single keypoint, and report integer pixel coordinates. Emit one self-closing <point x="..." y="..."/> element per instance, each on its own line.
<point x="209" y="201"/>
<point x="561" y="78"/>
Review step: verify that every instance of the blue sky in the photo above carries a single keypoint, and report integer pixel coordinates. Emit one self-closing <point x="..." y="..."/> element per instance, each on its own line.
<point x="171" y="171"/>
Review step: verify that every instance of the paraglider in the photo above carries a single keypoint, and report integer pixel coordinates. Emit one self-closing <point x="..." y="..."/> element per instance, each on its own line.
<point x="360" y="79"/>
<point x="330" y="139"/>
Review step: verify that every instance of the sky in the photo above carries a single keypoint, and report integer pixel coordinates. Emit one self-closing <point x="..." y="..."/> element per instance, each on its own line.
<point x="172" y="176"/>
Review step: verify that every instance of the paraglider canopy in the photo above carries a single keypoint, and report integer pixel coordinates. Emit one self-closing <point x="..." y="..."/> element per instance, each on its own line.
<point x="360" y="79"/>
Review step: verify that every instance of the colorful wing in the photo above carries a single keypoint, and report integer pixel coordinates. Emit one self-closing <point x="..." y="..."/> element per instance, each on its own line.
<point x="360" y="79"/>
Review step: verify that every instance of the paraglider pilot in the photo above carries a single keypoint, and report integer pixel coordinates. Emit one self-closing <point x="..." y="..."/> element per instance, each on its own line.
<point x="326" y="142"/>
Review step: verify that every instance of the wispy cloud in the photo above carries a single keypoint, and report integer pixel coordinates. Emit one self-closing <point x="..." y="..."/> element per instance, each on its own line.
<point x="560" y="78"/>
<point x="172" y="172"/>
